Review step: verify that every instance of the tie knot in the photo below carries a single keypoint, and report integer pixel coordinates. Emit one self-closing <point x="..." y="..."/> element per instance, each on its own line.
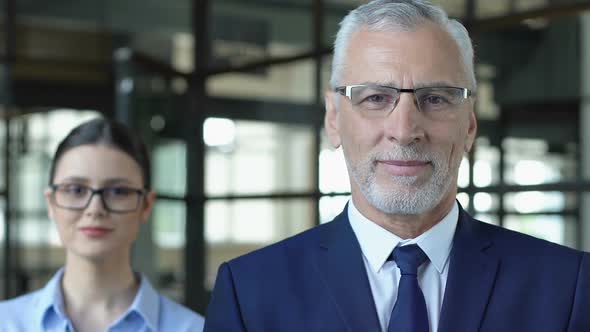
<point x="409" y="258"/>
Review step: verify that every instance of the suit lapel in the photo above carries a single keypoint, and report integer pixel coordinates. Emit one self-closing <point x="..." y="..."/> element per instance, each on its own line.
<point x="472" y="273"/>
<point x="342" y="269"/>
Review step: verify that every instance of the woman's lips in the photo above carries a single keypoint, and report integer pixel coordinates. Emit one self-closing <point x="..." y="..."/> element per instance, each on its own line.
<point x="95" y="232"/>
<point x="404" y="167"/>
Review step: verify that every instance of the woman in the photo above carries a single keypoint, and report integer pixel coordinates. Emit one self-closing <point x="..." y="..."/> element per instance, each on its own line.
<point x="98" y="197"/>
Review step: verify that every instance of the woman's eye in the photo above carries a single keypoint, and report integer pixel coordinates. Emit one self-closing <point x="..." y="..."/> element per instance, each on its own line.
<point x="119" y="191"/>
<point x="75" y="189"/>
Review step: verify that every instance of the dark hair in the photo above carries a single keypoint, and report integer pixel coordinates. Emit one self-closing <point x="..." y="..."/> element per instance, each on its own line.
<point x="109" y="133"/>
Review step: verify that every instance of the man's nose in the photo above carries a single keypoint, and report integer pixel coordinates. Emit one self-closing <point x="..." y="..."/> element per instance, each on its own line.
<point x="404" y="124"/>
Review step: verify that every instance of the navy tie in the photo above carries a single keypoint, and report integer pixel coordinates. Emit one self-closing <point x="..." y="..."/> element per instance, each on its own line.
<point x="409" y="313"/>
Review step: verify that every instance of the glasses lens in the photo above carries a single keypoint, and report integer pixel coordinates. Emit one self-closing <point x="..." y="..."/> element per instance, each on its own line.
<point x="373" y="100"/>
<point x="121" y="199"/>
<point x="439" y="99"/>
<point x="73" y="196"/>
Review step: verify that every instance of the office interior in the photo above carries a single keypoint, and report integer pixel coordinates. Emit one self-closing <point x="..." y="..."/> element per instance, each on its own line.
<point x="228" y="94"/>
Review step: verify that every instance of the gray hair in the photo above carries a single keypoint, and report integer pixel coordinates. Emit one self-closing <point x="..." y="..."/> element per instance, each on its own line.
<point x="386" y="15"/>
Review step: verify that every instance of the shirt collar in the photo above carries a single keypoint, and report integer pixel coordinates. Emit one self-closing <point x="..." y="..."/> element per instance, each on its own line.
<point x="377" y="243"/>
<point x="146" y="303"/>
<point x="50" y="302"/>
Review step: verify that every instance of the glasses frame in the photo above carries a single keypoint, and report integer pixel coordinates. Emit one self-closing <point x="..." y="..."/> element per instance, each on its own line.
<point x="346" y="90"/>
<point x="100" y="192"/>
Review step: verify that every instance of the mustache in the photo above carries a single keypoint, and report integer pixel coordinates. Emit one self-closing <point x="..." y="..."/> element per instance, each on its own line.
<point x="405" y="153"/>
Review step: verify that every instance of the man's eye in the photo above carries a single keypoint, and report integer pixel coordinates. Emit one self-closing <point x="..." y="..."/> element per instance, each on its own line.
<point x="435" y="100"/>
<point x="377" y="99"/>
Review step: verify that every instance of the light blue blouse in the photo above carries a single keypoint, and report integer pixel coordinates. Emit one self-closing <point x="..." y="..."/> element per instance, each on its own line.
<point x="43" y="310"/>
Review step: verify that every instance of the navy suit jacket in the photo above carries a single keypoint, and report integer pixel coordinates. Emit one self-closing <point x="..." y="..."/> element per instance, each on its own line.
<point x="498" y="281"/>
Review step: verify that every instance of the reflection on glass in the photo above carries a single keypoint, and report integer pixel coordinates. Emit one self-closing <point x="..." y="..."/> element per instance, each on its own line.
<point x="219" y="132"/>
<point x="256" y="221"/>
<point x="486" y="9"/>
<point x="333" y="172"/>
<point x="169" y="167"/>
<point x="263" y="157"/>
<point x="463" y="177"/>
<point x="548" y="227"/>
<point x="330" y="207"/>
<point x="463" y="199"/>
<point x="2" y="222"/>
<point x="529" y="162"/>
<point x="168" y="231"/>
<point x="168" y="220"/>
<point x="270" y="29"/>
<point x="538" y="201"/>
<point x="31" y="180"/>
<point x="489" y="218"/>
<point x="482" y="202"/>
<point x="285" y="83"/>
<point x="485" y="167"/>
<point x="485" y="202"/>
<point x="233" y="228"/>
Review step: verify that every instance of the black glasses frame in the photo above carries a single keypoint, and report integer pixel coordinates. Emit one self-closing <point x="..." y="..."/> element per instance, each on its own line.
<point x="100" y="191"/>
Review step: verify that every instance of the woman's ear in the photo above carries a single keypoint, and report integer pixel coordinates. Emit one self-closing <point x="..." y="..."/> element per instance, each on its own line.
<point x="49" y="202"/>
<point x="149" y="201"/>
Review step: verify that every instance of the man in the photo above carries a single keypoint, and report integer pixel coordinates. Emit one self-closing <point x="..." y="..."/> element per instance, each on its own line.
<point x="403" y="255"/>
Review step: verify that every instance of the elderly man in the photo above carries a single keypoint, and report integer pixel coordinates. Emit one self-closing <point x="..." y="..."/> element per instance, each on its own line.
<point x="403" y="256"/>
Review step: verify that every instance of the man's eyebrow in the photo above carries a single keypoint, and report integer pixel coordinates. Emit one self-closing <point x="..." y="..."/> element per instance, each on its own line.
<point x="433" y="84"/>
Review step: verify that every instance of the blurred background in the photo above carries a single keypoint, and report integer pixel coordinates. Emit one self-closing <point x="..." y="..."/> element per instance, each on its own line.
<point x="229" y="96"/>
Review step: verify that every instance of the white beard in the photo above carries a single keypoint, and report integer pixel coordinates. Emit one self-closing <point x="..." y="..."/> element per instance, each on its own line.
<point x="411" y="198"/>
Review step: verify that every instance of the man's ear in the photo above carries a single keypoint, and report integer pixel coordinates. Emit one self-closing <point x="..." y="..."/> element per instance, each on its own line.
<point x="471" y="131"/>
<point x="332" y="119"/>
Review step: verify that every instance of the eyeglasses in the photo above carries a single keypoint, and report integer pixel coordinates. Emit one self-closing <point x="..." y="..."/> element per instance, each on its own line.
<point x="116" y="199"/>
<point x="374" y="100"/>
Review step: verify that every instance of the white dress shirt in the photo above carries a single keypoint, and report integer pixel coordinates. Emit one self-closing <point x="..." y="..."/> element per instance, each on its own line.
<point x="377" y="244"/>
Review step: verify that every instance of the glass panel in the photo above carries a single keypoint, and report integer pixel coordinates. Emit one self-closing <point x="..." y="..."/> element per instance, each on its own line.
<point x="169" y="167"/>
<point x="538" y="201"/>
<point x="270" y="30"/>
<point x="330" y="207"/>
<point x="40" y="250"/>
<point x="554" y="228"/>
<point x="487" y="9"/>
<point x="454" y="8"/>
<point x="229" y="233"/>
<point x="486" y="106"/>
<point x="2" y="152"/>
<point x="333" y="174"/>
<point x="463" y="176"/>
<point x="32" y="174"/>
<point x="168" y="225"/>
<point x="463" y="199"/>
<point x="335" y="10"/>
<point x="257" y="157"/>
<point x="2" y="242"/>
<point x="489" y="218"/>
<point x="530" y="161"/>
<point x="288" y="82"/>
<point x="487" y="161"/>
<point x="486" y="202"/>
<point x="81" y="30"/>
<point x="526" y="5"/>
